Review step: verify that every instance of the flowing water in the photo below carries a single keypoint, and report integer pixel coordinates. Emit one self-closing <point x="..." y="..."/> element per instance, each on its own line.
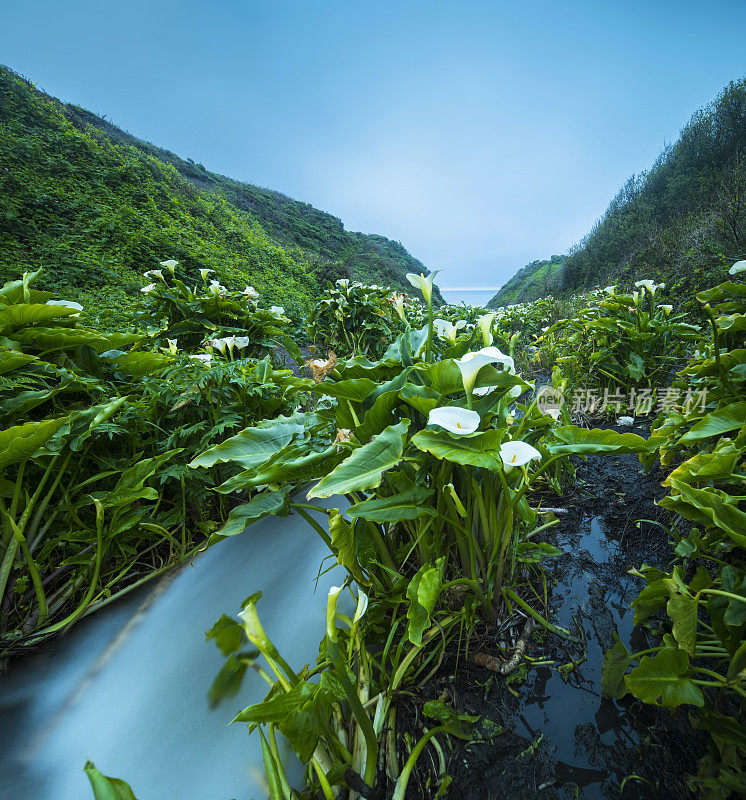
<point x="127" y="687"/>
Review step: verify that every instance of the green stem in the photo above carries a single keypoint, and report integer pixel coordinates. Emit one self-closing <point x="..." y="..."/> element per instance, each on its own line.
<point x="401" y="784"/>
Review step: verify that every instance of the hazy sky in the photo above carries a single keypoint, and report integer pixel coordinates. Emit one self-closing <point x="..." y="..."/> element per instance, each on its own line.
<point x="482" y="135"/>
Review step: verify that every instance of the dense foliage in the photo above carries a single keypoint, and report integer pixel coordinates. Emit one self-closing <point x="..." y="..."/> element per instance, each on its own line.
<point x="100" y="206"/>
<point x="95" y="432"/>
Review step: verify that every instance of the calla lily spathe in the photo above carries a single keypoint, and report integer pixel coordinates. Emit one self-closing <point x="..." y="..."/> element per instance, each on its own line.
<point x="518" y="454"/>
<point x="651" y="286"/>
<point x="157" y="272"/>
<point x="485" y="325"/>
<point x="739" y="266"/>
<point x="423" y="283"/>
<point x="205" y="272"/>
<point x="471" y="363"/>
<point x="447" y="330"/>
<point x="455" y="420"/>
<point x="148" y="289"/>
<point x="331" y="612"/>
<point x="65" y="303"/>
<point x="170" y="265"/>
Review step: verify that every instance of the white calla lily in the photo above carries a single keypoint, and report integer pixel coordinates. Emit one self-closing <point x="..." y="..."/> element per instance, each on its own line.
<point x="446" y="330"/>
<point x="278" y="311"/>
<point x="205" y="272"/>
<point x="172" y="348"/>
<point x="517" y="454"/>
<point x="739" y="266"/>
<point x="217" y="288"/>
<point x="331" y="612"/>
<point x="423" y="283"/>
<point x="485" y="325"/>
<point x="157" y="272"/>
<point x="397" y="300"/>
<point x="205" y="358"/>
<point x="170" y="265"/>
<point x="454" y="420"/>
<point x="251" y="293"/>
<point x="471" y="363"/>
<point x="362" y="606"/>
<point x="148" y="289"/>
<point x="667" y="309"/>
<point x="241" y="342"/>
<point x="651" y="286"/>
<point x="611" y="291"/>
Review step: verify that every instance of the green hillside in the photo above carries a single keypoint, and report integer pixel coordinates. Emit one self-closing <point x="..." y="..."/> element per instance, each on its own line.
<point x="535" y="280"/>
<point x="97" y="207"/>
<point x="679" y="222"/>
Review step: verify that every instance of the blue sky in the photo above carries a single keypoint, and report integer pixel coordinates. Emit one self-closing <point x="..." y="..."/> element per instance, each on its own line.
<point x="481" y="135"/>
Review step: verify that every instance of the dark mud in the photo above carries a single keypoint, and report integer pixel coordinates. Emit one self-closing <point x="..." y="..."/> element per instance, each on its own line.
<point x="548" y="732"/>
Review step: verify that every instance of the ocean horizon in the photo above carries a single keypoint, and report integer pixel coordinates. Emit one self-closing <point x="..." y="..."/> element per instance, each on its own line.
<point x="471" y="295"/>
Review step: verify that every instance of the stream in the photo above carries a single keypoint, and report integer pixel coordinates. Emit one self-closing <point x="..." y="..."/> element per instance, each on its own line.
<point x="126" y="688"/>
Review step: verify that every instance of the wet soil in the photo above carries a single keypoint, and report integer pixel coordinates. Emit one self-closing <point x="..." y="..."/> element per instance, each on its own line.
<point x="551" y="735"/>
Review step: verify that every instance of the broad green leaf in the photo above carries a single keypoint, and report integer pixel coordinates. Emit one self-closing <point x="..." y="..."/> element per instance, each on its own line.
<point x="12" y="359"/>
<point x="737" y="666"/>
<point x="139" y="364"/>
<point x="482" y="450"/>
<point x="107" y="788"/>
<point x="456" y="723"/>
<point x="227" y="634"/>
<point x="662" y="680"/>
<point x="263" y="505"/>
<point x="716" y="423"/>
<point x="355" y="389"/>
<point x="422" y="398"/>
<point x="342" y="535"/>
<point x="253" y="446"/>
<point x="423" y="592"/>
<point x="706" y="467"/>
<point x="615" y="665"/>
<point x="364" y="468"/>
<point x="682" y="609"/>
<point x="293" y="464"/>
<point x="728" y="729"/>
<point x="732" y="323"/>
<point x="228" y="681"/>
<point x="410" y="504"/>
<point x="20" y="316"/>
<point x="708" y="506"/>
<point x="653" y="597"/>
<point x="21" y="441"/>
<point x="378" y="416"/>
<point x="583" y="441"/>
<point x="60" y="338"/>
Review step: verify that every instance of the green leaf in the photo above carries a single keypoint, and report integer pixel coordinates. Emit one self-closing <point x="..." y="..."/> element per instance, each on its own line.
<point x="342" y="536"/>
<point x="710" y="507"/>
<point x="355" y="389"/>
<point x="21" y="441"/>
<point x="481" y="450"/>
<point x="653" y="597"/>
<point x="12" y="359"/>
<point x="582" y="441"/>
<point x="263" y="505"/>
<point x="456" y="723"/>
<point x="138" y="364"/>
<point x="662" y="680"/>
<point x="107" y="788"/>
<point x="60" y="338"/>
<point x="20" y="316"/>
<point x="422" y="592"/>
<point x="682" y="609"/>
<point x="716" y="423"/>
<point x="737" y="666"/>
<point x="227" y="634"/>
<point x="726" y="728"/>
<point x="364" y="468"/>
<point x="409" y="504"/>
<point x="228" y="680"/>
<point x="253" y="446"/>
<point x="615" y="665"/>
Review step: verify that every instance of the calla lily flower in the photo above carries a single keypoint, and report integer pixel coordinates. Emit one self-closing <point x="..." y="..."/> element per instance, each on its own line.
<point x="170" y="265"/>
<point x="331" y="612"/>
<point x="667" y="309"/>
<point x="454" y="420"/>
<point x="343" y="283"/>
<point x="362" y="606"/>
<point x="739" y="266"/>
<point x="65" y="303"/>
<point x="251" y="624"/>
<point x="205" y="272"/>
<point x="424" y="284"/>
<point x="445" y="330"/>
<point x="205" y="358"/>
<point x="251" y="293"/>
<point x="217" y="288"/>
<point x="241" y="342"/>
<point x="651" y="286"/>
<point x="471" y="363"/>
<point x="157" y="272"/>
<point x="397" y="300"/>
<point x="517" y="454"/>
<point x="172" y="346"/>
<point x="553" y="413"/>
<point x="148" y="289"/>
<point x="611" y="291"/>
<point x="485" y="325"/>
<point x="278" y="311"/>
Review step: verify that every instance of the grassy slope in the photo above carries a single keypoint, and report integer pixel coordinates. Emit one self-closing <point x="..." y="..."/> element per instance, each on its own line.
<point x="97" y="207"/>
<point x="682" y="221"/>
<point x="537" y="279"/>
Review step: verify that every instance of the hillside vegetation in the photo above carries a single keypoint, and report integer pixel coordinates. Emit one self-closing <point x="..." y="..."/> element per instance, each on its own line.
<point x="97" y="207"/>
<point x="535" y="280"/>
<point x="680" y="221"/>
